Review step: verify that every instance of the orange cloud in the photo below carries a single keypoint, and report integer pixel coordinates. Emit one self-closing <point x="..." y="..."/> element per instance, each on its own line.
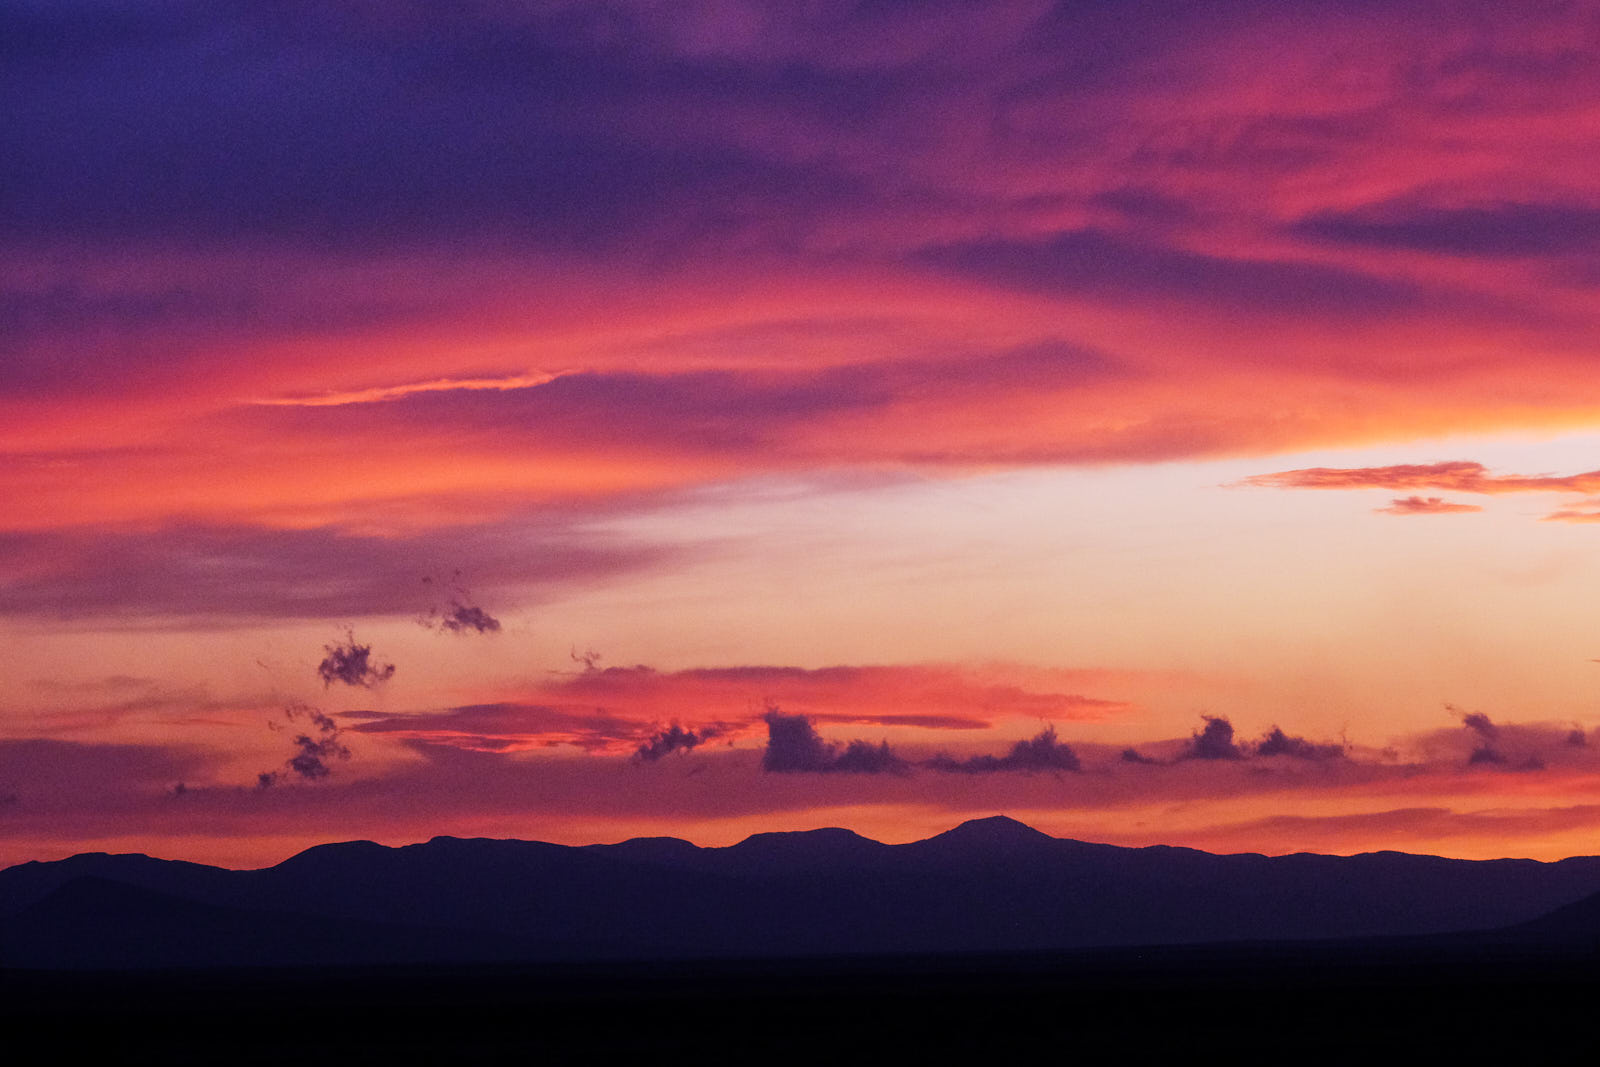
<point x="616" y="709"/>
<point x="1461" y="476"/>
<point x="1589" y="512"/>
<point x="1432" y="505"/>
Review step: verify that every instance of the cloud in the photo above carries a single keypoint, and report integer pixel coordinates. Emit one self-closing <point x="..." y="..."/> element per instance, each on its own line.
<point x="932" y="696"/>
<point x="1589" y="513"/>
<point x="1042" y="752"/>
<point x="1107" y="265"/>
<point x="823" y="154"/>
<point x="51" y="772"/>
<point x="352" y="664"/>
<point x="1214" y="741"/>
<point x="1479" y="725"/>
<point x="462" y="616"/>
<point x="746" y="416"/>
<point x="185" y="572"/>
<point x="435" y="787"/>
<point x="621" y="709"/>
<point x="1491" y="231"/>
<point x="379" y="394"/>
<point x="1461" y="476"/>
<point x="313" y="748"/>
<point x="1491" y="742"/>
<point x="1432" y="505"/>
<point x="316" y="749"/>
<point x="1132" y="755"/>
<point x="508" y="727"/>
<point x="465" y="618"/>
<point x="794" y="746"/>
<point x="891" y="718"/>
<point x="674" y="739"/>
<point x="863" y="757"/>
<point x="1419" y="829"/>
<point x="1278" y="743"/>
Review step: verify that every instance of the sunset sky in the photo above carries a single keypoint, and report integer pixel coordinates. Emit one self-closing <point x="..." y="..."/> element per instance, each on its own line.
<point x="1174" y="422"/>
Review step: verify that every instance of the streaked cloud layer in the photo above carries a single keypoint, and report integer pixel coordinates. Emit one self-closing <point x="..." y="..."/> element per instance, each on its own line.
<point x="878" y="341"/>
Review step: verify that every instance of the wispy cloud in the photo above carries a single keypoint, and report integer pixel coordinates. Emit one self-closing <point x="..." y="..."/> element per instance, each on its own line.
<point x="380" y="394"/>
<point x="1588" y="512"/>
<point x="1461" y="476"/>
<point x="1431" y="505"/>
<point x="181" y="572"/>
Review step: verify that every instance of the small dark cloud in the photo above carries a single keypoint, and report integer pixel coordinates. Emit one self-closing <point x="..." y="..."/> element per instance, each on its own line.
<point x="468" y="618"/>
<point x="1576" y="738"/>
<point x="674" y="739"/>
<point x="1214" y="741"/>
<point x="794" y="746"/>
<point x="352" y="664"/>
<point x="462" y="615"/>
<point x="313" y="747"/>
<point x="1133" y="755"/>
<point x="1278" y="743"/>
<point x="1042" y="752"/>
<point x="316" y="749"/>
<point x="1479" y="723"/>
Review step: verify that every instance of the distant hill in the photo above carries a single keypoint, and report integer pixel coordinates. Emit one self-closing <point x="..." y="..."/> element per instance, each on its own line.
<point x="987" y="886"/>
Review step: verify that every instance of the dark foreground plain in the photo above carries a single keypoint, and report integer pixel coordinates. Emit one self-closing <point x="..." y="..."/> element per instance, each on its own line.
<point x="1372" y="1002"/>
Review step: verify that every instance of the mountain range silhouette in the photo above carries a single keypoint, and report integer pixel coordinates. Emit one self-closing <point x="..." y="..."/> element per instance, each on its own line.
<point x="989" y="885"/>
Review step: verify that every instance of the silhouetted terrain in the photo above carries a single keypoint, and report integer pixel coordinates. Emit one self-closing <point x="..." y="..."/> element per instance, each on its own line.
<point x="989" y="940"/>
<point x="987" y="886"/>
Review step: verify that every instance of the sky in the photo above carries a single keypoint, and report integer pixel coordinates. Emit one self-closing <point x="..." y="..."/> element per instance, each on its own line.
<point x="1172" y="423"/>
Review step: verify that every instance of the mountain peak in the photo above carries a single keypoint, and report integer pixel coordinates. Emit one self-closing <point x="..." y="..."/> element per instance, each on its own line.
<point x="792" y="849"/>
<point x="996" y="835"/>
<point x="333" y="852"/>
<point x="996" y="828"/>
<point x="828" y="835"/>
